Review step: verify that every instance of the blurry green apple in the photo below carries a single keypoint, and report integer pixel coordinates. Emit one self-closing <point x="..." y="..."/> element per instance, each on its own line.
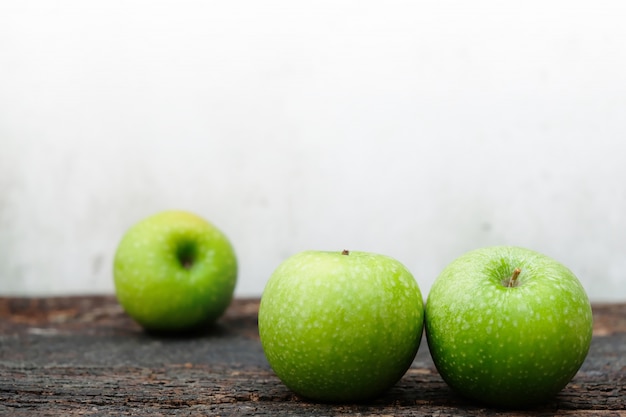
<point x="340" y="326"/>
<point x="174" y="271"/>
<point x="508" y="326"/>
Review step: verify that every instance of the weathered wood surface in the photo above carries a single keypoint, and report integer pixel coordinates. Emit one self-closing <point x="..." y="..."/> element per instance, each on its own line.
<point x="84" y="356"/>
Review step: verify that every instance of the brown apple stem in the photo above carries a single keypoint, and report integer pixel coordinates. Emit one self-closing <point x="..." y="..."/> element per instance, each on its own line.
<point x="345" y="252"/>
<point x="513" y="279"/>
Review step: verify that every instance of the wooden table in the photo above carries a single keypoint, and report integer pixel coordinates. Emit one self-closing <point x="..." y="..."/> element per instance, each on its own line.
<point x="83" y="356"/>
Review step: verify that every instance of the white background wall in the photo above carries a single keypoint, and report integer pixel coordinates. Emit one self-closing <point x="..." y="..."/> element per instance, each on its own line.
<point x="416" y="129"/>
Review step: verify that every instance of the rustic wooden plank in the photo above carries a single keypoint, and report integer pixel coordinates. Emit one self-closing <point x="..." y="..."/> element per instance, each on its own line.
<point x="84" y="356"/>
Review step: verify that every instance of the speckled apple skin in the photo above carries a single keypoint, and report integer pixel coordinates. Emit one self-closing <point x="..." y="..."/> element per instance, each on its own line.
<point x="508" y="346"/>
<point x="340" y="328"/>
<point x="156" y="290"/>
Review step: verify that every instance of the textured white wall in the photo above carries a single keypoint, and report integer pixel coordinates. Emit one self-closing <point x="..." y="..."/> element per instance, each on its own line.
<point x="416" y="129"/>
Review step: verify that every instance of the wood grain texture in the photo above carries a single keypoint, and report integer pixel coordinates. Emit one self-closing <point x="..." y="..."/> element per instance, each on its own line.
<point x="83" y="356"/>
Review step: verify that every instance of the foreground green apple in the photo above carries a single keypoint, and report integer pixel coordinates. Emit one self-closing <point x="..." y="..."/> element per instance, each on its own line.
<point x="174" y="271"/>
<point x="340" y="326"/>
<point x="508" y="326"/>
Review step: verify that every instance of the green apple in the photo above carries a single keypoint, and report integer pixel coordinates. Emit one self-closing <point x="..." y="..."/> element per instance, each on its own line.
<point x="507" y="326"/>
<point x="174" y="271"/>
<point x="340" y="326"/>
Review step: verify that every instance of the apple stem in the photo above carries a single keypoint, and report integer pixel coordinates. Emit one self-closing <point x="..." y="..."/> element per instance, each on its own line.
<point x="345" y="252"/>
<point x="513" y="279"/>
